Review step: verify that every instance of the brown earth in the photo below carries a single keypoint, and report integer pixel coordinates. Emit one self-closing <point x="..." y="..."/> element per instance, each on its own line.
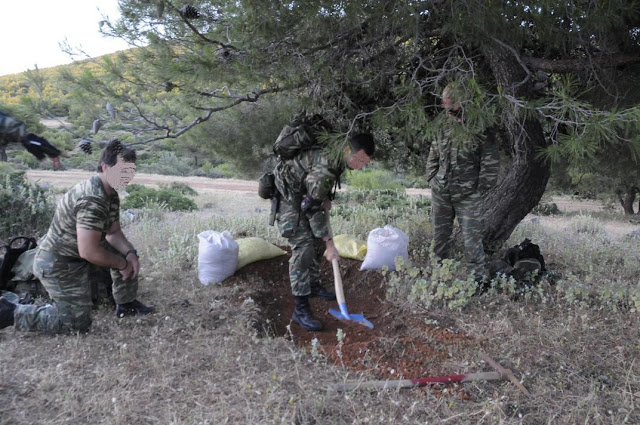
<point x="401" y="345"/>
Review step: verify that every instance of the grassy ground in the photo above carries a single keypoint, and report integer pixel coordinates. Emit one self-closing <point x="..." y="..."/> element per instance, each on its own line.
<point x="201" y="359"/>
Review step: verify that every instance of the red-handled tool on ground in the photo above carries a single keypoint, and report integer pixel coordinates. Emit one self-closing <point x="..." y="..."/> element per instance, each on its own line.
<point x="500" y="373"/>
<point x="344" y="314"/>
<point x="419" y="382"/>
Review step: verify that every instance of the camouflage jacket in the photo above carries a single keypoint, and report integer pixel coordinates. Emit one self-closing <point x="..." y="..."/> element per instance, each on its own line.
<point x="11" y="130"/>
<point x="309" y="174"/>
<point x="460" y="168"/>
<point x="86" y="205"/>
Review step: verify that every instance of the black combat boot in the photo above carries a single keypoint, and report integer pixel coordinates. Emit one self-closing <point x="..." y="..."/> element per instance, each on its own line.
<point x="6" y="313"/>
<point x="319" y="291"/>
<point x="132" y="308"/>
<point x="303" y="316"/>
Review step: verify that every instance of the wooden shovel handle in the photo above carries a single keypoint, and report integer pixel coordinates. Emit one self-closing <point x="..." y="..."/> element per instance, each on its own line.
<point x="337" y="279"/>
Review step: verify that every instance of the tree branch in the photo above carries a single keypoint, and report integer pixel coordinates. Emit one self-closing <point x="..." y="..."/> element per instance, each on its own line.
<point x="575" y="65"/>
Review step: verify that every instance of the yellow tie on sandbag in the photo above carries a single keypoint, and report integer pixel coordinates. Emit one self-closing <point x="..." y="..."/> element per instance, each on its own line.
<point x="254" y="249"/>
<point x="350" y="247"/>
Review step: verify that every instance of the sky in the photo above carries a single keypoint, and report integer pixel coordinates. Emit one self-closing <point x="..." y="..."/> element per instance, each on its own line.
<point x="31" y="31"/>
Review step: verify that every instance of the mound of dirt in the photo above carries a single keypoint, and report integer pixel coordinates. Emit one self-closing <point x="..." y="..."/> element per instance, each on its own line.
<point x="402" y="343"/>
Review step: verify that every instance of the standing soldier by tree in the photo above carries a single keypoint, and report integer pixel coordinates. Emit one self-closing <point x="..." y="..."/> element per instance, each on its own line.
<point x="14" y="131"/>
<point x="461" y="167"/>
<point x="305" y="182"/>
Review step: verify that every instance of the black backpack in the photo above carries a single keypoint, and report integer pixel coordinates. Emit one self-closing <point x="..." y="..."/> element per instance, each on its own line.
<point x="526" y="249"/>
<point x="12" y="251"/>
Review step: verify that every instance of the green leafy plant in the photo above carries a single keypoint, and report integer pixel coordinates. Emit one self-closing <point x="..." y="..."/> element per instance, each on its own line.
<point x="373" y="179"/>
<point x="27" y="209"/>
<point x="180" y="187"/>
<point x="173" y="200"/>
<point x="546" y="208"/>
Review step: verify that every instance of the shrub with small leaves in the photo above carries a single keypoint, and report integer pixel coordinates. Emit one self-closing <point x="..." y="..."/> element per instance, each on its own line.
<point x="546" y="208"/>
<point x="587" y="225"/>
<point x="179" y="187"/>
<point x="27" y="209"/>
<point x="174" y="201"/>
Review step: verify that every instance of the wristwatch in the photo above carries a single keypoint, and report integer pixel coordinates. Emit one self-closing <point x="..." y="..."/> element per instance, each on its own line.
<point x="130" y="251"/>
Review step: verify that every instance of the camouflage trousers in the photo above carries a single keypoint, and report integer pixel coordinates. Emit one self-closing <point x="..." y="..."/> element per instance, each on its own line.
<point x="67" y="282"/>
<point x="306" y="249"/>
<point x="444" y="208"/>
<point x="11" y="130"/>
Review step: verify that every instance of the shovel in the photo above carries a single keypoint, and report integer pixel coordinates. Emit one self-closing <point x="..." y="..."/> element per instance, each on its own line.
<point x="343" y="314"/>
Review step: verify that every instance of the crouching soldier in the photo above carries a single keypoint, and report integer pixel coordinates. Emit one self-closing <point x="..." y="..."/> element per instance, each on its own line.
<point x="305" y="182"/>
<point x="85" y="229"/>
<point x="14" y="131"/>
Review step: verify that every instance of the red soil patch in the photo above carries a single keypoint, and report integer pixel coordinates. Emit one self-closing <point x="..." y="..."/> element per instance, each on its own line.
<point x="401" y="345"/>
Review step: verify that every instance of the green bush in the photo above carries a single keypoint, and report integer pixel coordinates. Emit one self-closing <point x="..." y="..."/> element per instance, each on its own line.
<point x="546" y="208"/>
<point x="174" y="201"/>
<point x="6" y="168"/>
<point x="382" y="199"/>
<point x="179" y="187"/>
<point x="167" y="163"/>
<point x="83" y="161"/>
<point x="27" y="209"/>
<point x="373" y="179"/>
<point x="587" y="225"/>
<point x="133" y="187"/>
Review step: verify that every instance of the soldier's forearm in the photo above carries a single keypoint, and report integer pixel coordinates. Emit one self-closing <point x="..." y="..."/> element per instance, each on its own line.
<point x="119" y="241"/>
<point x="103" y="258"/>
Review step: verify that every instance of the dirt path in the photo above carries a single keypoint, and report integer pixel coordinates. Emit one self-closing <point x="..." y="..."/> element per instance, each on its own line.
<point x="66" y="179"/>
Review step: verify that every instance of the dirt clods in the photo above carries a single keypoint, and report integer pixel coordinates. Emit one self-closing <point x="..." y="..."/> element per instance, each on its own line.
<point x="403" y="344"/>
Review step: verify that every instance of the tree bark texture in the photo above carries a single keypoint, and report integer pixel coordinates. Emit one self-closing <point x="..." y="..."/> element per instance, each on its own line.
<point x="628" y="200"/>
<point x="519" y="192"/>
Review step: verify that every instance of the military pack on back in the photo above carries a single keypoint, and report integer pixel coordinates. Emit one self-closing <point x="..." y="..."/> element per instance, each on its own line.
<point x="300" y="134"/>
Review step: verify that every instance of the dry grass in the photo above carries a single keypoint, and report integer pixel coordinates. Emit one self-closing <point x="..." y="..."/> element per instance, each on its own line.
<point x="200" y="360"/>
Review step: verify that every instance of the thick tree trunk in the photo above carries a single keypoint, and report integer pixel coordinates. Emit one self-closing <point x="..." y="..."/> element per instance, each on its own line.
<point x="525" y="182"/>
<point x="628" y="200"/>
<point x="3" y="154"/>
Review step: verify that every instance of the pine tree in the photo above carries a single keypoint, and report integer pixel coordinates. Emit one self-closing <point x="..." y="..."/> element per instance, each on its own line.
<point x="554" y="77"/>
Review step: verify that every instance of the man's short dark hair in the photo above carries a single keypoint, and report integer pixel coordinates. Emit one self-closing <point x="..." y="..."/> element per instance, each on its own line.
<point x="109" y="155"/>
<point x="363" y="141"/>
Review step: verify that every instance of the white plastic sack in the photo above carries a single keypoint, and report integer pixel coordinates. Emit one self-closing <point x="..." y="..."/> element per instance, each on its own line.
<point x="383" y="246"/>
<point x="217" y="256"/>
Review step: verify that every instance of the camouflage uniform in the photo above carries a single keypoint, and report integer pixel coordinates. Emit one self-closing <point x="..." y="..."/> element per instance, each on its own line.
<point x="309" y="175"/>
<point x="460" y="172"/>
<point x="60" y="269"/>
<point x="11" y="131"/>
<point x="14" y="131"/>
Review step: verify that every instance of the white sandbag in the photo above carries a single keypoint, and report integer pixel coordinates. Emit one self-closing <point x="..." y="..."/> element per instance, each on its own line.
<point x="217" y="256"/>
<point x="383" y="246"/>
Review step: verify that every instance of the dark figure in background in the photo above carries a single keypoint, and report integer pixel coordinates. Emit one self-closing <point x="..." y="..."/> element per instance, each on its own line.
<point x="14" y="131"/>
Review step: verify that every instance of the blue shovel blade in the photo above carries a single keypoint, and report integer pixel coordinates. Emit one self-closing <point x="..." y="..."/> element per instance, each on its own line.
<point x="353" y="317"/>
